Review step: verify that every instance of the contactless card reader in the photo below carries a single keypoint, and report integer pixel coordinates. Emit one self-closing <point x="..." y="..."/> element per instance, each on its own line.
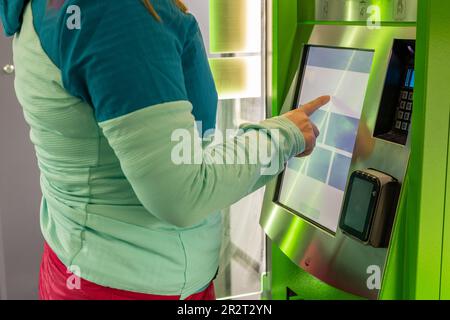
<point x="369" y="207"/>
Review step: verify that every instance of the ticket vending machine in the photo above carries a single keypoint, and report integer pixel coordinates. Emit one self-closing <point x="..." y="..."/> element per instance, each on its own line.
<point x="332" y="213"/>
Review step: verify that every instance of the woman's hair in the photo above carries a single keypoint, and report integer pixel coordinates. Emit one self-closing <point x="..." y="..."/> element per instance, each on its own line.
<point x="155" y="14"/>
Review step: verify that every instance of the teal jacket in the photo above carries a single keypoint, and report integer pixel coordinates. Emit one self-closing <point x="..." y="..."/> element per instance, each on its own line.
<point x="103" y="100"/>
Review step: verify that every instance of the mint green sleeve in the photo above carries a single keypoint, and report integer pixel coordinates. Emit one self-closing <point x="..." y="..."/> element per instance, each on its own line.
<point x="184" y="194"/>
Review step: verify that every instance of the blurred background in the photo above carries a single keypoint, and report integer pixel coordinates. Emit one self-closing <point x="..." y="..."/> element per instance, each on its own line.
<point x="20" y="238"/>
<point x="234" y="35"/>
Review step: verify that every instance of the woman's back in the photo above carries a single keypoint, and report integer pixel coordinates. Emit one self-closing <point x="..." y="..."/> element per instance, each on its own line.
<point x="90" y="213"/>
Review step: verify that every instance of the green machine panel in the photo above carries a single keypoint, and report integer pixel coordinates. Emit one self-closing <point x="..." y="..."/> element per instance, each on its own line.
<point x="411" y="269"/>
<point x="302" y="209"/>
<point x="417" y="260"/>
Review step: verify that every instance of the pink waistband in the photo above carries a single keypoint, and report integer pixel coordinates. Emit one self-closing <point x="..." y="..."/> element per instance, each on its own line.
<point x="58" y="283"/>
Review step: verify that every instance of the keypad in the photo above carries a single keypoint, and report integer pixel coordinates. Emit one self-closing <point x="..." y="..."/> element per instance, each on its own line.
<point x="405" y="95"/>
<point x="405" y="126"/>
<point x="407" y="116"/>
<point x="404" y="110"/>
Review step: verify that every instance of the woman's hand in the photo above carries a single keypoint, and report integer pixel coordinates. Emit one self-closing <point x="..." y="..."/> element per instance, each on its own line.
<point x="300" y="117"/>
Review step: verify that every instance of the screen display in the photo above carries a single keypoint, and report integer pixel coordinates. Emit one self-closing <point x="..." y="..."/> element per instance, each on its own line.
<point x="358" y="204"/>
<point x="313" y="187"/>
<point x="411" y="82"/>
<point x="410" y="77"/>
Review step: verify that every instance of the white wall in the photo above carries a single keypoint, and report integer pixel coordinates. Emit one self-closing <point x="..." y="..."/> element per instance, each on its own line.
<point x="200" y="9"/>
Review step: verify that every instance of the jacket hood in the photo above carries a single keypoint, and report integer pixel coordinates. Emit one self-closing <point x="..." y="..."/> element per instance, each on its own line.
<point x="11" y="15"/>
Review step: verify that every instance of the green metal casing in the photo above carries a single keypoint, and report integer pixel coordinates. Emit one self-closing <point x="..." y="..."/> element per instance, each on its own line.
<point x="418" y="265"/>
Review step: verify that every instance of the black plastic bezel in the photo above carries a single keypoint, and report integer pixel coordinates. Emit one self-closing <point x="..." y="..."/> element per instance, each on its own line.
<point x="370" y="214"/>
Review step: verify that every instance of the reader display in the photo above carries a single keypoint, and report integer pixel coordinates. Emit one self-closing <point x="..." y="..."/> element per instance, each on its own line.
<point x="360" y="206"/>
<point x="313" y="187"/>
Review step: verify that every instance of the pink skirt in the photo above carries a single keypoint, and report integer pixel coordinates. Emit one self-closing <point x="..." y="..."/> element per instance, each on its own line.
<point x="55" y="284"/>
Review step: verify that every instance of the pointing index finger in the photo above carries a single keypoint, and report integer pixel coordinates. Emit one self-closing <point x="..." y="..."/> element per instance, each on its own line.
<point x="316" y="104"/>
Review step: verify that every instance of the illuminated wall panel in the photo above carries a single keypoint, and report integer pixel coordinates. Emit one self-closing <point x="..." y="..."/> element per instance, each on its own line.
<point x="235" y="26"/>
<point x="237" y="78"/>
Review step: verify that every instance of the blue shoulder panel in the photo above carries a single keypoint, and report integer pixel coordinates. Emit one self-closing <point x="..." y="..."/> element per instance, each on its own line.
<point x="11" y="15"/>
<point x="121" y="59"/>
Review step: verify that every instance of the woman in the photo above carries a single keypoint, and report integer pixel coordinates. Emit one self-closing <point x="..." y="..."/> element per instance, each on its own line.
<point x="104" y="85"/>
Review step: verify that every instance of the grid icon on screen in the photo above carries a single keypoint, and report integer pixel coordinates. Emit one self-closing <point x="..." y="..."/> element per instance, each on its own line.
<point x="331" y="160"/>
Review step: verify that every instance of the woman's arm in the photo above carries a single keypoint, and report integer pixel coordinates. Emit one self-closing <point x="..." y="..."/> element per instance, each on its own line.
<point x="212" y="178"/>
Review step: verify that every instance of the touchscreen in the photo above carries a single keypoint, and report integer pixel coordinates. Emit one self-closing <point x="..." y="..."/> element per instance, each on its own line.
<point x="313" y="187"/>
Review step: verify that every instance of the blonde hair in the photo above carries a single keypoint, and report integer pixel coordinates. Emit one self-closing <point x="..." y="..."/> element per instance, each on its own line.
<point x="155" y="14"/>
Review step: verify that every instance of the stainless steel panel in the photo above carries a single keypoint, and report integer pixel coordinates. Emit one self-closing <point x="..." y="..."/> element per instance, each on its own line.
<point x="337" y="259"/>
<point x="359" y="10"/>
